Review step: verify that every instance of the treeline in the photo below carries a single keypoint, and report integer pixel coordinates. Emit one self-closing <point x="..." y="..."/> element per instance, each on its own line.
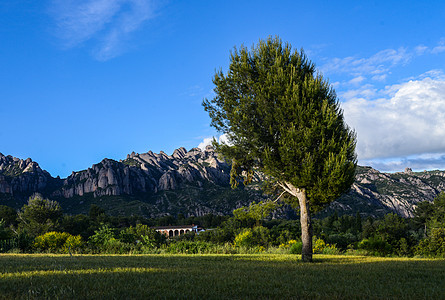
<point x="41" y="226"/>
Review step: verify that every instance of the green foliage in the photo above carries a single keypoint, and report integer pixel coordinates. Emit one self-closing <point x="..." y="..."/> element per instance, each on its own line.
<point x="5" y="232"/>
<point x="318" y="245"/>
<point x="283" y="118"/>
<point x="296" y="248"/>
<point x="244" y="238"/>
<point x="104" y="239"/>
<point x="39" y="216"/>
<point x="58" y="242"/>
<point x="9" y="215"/>
<point x="434" y="245"/>
<point x="257" y="236"/>
<point x="95" y="211"/>
<point x="375" y="246"/>
<point x="255" y="211"/>
<point x="143" y="236"/>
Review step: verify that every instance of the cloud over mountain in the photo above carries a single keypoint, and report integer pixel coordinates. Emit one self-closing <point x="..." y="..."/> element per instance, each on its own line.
<point x="407" y="118"/>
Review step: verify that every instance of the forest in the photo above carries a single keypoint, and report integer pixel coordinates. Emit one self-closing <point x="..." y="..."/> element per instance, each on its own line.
<point x="40" y="226"/>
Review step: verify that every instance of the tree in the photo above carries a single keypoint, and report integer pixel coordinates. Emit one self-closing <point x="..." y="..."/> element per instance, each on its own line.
<point x="9" y="215"/>
<point x="282" y="118"/>
<point x="39" y="216"/>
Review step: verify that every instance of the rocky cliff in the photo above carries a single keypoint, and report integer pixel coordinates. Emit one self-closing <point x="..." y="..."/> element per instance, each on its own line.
<point x="196" y="182"/>
<point x="22" y="177"/>
<point x="147" y="173"/>
<point x="378" y="193"/>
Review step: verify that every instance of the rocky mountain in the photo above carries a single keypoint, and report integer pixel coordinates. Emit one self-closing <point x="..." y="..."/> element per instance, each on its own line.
<point x="195" y="182"/>
<point x="147" y="173"/>
<point x="379" y="193"/>
<point x="20" y="177"/>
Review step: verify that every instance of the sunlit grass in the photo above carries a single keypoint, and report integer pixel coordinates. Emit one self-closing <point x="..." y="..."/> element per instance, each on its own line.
<point x="218" y="277"/>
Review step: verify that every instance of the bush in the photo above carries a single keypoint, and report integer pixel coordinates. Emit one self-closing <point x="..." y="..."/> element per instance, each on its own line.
<point x="318" y="246"/>
<point x="258" y="236"/>
<point x="102" y="236"/>
<point x="434" y="245"/>
<point x="331" y="250"/>
<point x="142" y="236"/>
<point x="58" y="242"/>
<point x="104" y="240"/>
<point x="296" y="248"/>
<point x="244" y="238"/>
<point x="375" y="246"/>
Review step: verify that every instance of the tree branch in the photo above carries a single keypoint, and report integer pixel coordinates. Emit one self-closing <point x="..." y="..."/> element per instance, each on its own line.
<point x="279" y="196"/>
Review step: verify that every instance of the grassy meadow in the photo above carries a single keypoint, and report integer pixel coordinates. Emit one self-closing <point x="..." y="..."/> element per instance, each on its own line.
<point x="256" y="276"/>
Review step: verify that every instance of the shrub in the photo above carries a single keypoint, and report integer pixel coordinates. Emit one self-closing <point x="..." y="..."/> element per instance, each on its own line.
<point x="102" y="235"/>
<point x="258" y="236"/>
<point x="434" y="245"/>
<point x="331" y="250"/>
<point x="58" y="242"/>
<point x="142" y="236"/>
<point x="244" y="238"/>
<point x="318" y="246"/>
<point x="296" y="248"/>
<point x="375" y="246"/>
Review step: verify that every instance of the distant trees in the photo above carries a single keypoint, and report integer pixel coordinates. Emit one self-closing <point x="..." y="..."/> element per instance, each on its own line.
<point x="41" y="228"/>
<point x="283" y="118"/>
<point x="431" y="218"/>
<point x="39" y="216"/>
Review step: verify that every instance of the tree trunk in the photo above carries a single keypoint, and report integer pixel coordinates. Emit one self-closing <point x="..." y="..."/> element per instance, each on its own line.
<point x="305" y="219"/>
<point x="306" y="227"/>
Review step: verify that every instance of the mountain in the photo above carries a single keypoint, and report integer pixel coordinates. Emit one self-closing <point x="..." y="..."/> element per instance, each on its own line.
<point x="196" y="182"/>
<point x="20" y="178"/>
<point x="376" y="193"/>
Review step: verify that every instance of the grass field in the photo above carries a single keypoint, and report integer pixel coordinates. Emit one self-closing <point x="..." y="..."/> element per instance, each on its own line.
<point x="218" y="277"/>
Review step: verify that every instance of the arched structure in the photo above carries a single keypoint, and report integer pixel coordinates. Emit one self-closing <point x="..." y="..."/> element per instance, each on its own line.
<point x="172" y="231"/>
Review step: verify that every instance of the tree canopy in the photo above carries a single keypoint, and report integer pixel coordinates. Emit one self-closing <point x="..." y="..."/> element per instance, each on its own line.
<point x="283" y="118"/>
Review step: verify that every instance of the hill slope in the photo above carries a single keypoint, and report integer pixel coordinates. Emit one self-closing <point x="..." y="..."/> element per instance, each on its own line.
<point x="195" y="182"/>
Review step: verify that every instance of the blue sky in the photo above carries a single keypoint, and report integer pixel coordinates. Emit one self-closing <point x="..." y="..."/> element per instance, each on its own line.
<point x="88" y="79"/>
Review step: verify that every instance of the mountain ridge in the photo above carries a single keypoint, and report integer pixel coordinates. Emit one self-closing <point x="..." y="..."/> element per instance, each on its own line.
<point x="196" y="182"/>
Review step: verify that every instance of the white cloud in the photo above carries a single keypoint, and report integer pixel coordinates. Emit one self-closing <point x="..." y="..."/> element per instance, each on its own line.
<point x="107" y="23"/>
<point x="421" y="49"/>
<point x="206" y="142"/>
<point x="356" y="80"/>
<point x="222" y="139"/>
<point x="440" y="47"/>
<point x="380" y="77"/>
<point x="406" y="120"/>
<point x="378" y="63"/>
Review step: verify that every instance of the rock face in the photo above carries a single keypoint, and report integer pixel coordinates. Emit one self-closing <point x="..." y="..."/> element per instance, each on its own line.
<point x="196" y="182"/>
<point x="147" y="173"/>
<point x="379" y="193"/>
<point x="18" y="176"/>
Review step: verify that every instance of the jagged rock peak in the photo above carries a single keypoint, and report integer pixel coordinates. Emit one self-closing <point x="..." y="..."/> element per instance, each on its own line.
<point x="179" y="153"/>
<point x="13" y="166"/>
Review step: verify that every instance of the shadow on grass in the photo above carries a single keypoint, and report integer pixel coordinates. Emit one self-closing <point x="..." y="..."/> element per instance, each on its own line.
<point x="218" y="276"/>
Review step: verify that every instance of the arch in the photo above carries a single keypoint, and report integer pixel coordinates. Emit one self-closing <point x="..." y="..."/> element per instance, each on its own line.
<point x="170" y="233"/>
<point x="176" y="232"/>
<point x="187" y="230"/>
<point x="181" y="231"/>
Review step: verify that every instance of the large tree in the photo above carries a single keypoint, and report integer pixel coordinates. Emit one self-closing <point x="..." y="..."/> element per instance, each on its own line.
<point x="283" y="118"/>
